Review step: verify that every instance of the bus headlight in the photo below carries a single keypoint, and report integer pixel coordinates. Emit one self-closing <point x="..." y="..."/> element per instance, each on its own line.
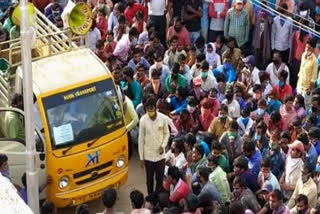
<point x="120" y="162"/>
<point x="63" y="182"/>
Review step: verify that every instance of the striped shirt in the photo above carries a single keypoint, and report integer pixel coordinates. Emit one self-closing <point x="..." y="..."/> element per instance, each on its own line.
<point x="237" y="26"/>
<point x="219" y="178"/>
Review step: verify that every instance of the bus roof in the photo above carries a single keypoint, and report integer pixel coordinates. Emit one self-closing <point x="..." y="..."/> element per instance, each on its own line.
<point x="65" y="69"/>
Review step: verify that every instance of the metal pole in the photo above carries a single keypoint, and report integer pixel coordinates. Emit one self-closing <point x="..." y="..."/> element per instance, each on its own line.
<point x="32" y="173"/>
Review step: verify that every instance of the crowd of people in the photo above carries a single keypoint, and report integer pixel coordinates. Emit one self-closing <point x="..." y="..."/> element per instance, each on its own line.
<point x="221" y="98"/>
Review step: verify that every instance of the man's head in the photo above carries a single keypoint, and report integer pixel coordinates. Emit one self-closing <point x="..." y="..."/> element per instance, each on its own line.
<point x="173" y="175"/>
<point x="150" y="107"/>
<point x="265" y="168"/>
<point x="311" y="45"/>
<point x="128" y="74"/>
<point x="216" y="148"/>
<point x="136" y="55"/>
<point x="212" y="161"/>
<point x="177" y="145"/>
<point x="117" y="9"/>
<point x="240" y="165"/>
<point x="4" y="167"/>
<point x="283" y="75"/>
<point x="249" y="148"/>
<point x="288" y="102"/>
<point x="275" y="199"/>
<point x="238" y="186"/>
<point x="301" y="203"/>
<point x="283" y="9"/>
<point x="203" y="174"/>
<point x="117" y="74"/>
<point x="133" y="36"/>
<point x="189" y="141"/>
<point x="109" y="198"/>
<point x="173" y="42"/>
<point x="304" y="139"/>
<point x="231" y="43"/>
<point x="236" y="208"/>
<point x="197" y="153"/>
<point x="297" y="149"/>
<point x="277" y="59"/>
<point x="137" y="199"/>
<point x="315" y="104"/>
<point x="177" y="24"/>
<point x="239" y="5"/>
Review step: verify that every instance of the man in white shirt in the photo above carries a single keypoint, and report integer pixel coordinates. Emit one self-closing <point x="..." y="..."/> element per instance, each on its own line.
<point x="274" y="68"/>
<point x="233" y="105"/>
<point x="281" y="33"/>
<point x="208" y="81"/>
<point x="153" y="138"/>
<point x="254" y="71"/>
<point x="157" y="13"/>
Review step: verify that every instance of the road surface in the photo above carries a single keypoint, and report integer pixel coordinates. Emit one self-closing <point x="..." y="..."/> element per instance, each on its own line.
<point x="136" y="180"/>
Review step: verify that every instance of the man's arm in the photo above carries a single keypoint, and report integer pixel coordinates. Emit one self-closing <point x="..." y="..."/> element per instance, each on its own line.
<point x="226" y="26"/>
<point x="292" y="200"/>
<point x="166" y="134"/>
<point x="141" y="139"/>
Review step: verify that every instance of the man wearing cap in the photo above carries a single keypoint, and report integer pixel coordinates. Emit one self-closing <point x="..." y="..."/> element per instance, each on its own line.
<point x="237" y="24"/>
<point x="254" y="71"/>
<point x="293" y="167"/>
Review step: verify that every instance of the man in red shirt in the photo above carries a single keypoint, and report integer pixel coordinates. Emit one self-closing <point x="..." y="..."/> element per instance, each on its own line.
<point x="180" y="31"/>
<point x="283" y="89"/>
<point x="132" y="9"/>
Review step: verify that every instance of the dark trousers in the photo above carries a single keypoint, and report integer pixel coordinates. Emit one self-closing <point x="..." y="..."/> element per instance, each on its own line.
<point x="157" y="169"/>
<point x="160" y="23"/>
<point x="294" y="70"/>
<point x="213" y="35"/>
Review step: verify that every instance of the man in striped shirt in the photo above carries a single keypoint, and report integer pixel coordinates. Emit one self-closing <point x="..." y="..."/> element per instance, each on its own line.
<point x="237" y="24"/>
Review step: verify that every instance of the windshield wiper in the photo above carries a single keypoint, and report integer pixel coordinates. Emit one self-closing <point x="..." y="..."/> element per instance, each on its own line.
<point x="64" y="152"/>
<point x="92" y="142"/>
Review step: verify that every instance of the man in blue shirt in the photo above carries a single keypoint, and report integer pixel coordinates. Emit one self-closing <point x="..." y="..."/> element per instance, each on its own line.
<point x="315" y="108"/>
<point x="253" y="154"/>
<point x="311" y="153"/>
<point x="314" y="136"/>
<point x="137" y="58"/>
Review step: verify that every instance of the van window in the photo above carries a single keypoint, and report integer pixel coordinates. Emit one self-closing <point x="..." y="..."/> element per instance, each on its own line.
<point x="83" y="114"/>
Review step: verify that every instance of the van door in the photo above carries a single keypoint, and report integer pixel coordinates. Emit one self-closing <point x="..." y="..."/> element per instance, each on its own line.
<point x="12" y="143"/>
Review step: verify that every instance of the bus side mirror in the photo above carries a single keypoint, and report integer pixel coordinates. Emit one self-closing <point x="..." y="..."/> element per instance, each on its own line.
<point x="42" y="156"/>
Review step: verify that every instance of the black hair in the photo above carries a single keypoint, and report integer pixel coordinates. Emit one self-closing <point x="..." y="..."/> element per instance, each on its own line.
<point x="231" y="39"/>
<point x="241" y="162"/>
<point x="246" y="112"/>
<point x="256" y="87"/>
<point x="275" y="116"/>
<point x="302" y="198"/>
<point x="151" y="102"/>
<point x="200" y="57"/>
<point x="239" y="181"/>
<point x="200" y="41"/>
<point x="262" y="125"/>
<point x="314" y="132"/>
<point x="128" y="72"/>
<point x="284" y="74"/>
<point x="137" y="199"/>
<point x="163" y="200"/>
<point x="155" y="73"/>
<point x="190" y="139"/>
<point x="174" y="173"/>
<point x="3" y="159"/>
<point x="174" y="37"/>
<point x="234" y="125"/>
<point x="204" y="65"/>
<point x="249" y="145"/>
<point x="300" y="99"/>
<point x="133" y="32"/>
<point x="204" y="172"/>
<point x="216" y="145"/>
<point x="99" y="44"/>
<point x="47" y="207"/>
<point x="109" y="197"/>
<point x="288" y="99"/>
<point x="223" y="107"/>
<point x="278" y="194"/>
<point x="297" y="122"/>
<point x="286" y="135"/>
<point x="175" y="68"/>
<point x="266" y="163"/>
<point x="122" y="19"/>
<point x="82" y="209"/>
<point x="312" y="42"/>
<point x="179" y="143"/>
<point x="181" y="57"/>
<point x="221" y="78"/>
<point x="199" y="149"/>
<point x="303" y="138"/>
<point x="236" y="208"/>
<point x="213" y="159"/>
<point x="182" y="91"/>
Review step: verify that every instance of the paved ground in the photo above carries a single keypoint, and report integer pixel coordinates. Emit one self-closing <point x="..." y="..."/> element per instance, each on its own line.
<point x="136" y="180"/>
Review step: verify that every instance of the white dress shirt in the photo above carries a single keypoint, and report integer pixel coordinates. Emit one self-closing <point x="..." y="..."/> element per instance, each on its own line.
<point x="153" y="134"/>
<point x="274" y="73"/>
<point x="233" y="108"/>
<point x="156" y="7"/>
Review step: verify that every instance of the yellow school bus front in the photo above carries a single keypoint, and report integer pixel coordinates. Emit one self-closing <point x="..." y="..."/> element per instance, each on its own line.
<point x="86" y="141"/>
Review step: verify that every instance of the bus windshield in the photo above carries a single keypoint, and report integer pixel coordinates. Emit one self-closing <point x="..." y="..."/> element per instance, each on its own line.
<point x="83" y="114"/>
